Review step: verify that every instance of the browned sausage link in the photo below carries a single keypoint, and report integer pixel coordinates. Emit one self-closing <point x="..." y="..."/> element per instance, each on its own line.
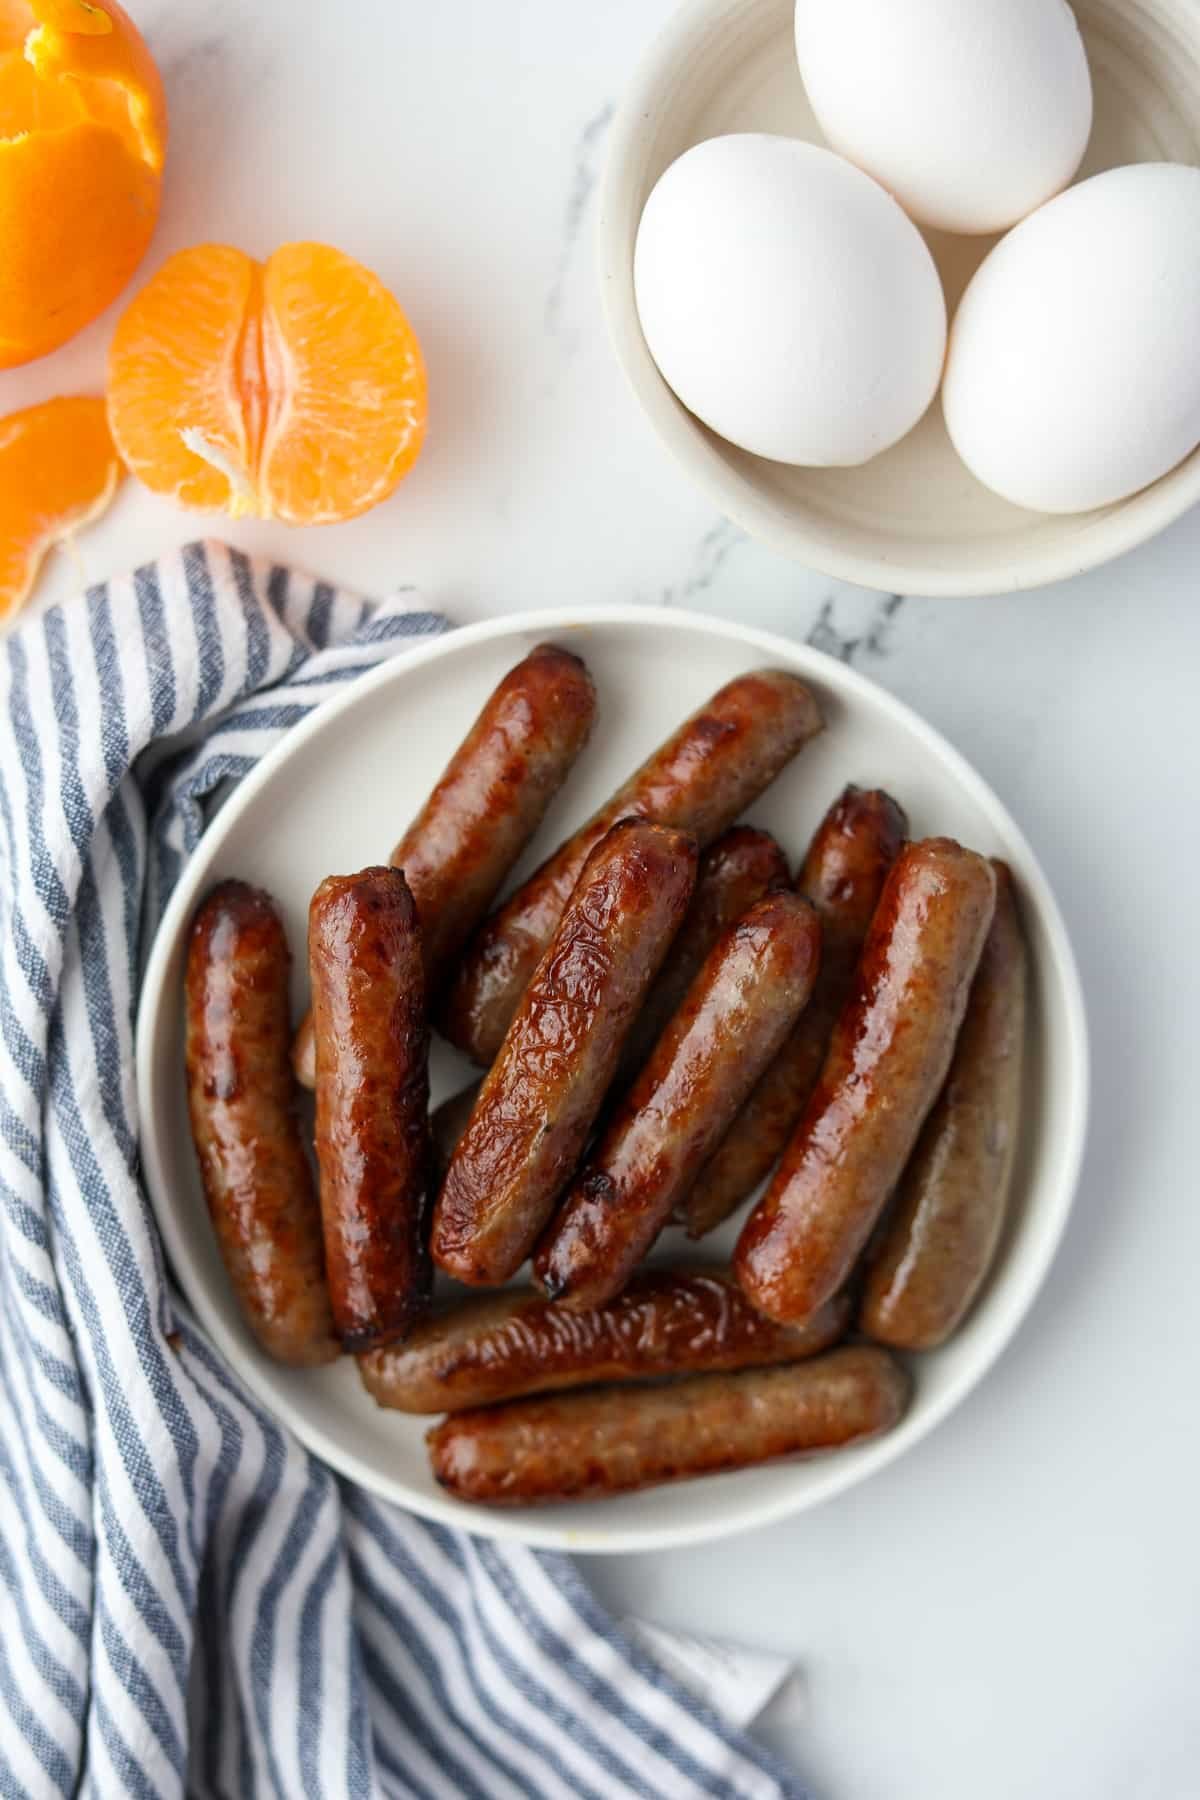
<point x="667" y="1322"/>
<point x="487" y="806"/>
<point x="742" y="866"/>
<point x="888" y="1058"/>
<point x="240" y="1096"/>
<point x="544" y="1090"/>
<point x="941" y="1237"/>
<point x="368" y="987"/>
<point x="700" y="780"/>
<point x="855" y="845"/>
<point x="736" y="1014"/>
<point x="447" y="1123"/>
<point x="493" y="796"/>
<point x="614" y="1440"/>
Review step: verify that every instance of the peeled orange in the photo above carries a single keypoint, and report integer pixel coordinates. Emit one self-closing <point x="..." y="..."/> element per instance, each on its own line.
<point x="83" y="136"/>
<point x="292" y="389"/>
<point x="58" y="471"/>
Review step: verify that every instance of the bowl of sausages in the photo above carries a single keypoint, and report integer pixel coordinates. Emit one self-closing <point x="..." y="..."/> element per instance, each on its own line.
<point x="611" y="1079"/>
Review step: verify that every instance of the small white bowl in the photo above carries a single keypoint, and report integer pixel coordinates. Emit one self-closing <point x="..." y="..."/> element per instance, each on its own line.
<point x="335" y="795"/>
<point x="913" y="520"/>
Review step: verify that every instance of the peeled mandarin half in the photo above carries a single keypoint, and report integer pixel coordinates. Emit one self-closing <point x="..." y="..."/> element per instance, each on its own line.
<point x="58" y="472"/>
<point x="292" y="389"/>
<point x="83" y="137"/>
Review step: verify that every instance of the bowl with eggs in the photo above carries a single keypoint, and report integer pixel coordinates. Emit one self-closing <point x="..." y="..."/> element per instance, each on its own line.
<point x="909" y="291"/>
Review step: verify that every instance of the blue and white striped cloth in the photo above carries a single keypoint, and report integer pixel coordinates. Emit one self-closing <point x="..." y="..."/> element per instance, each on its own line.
<point x="189" y="1603"/>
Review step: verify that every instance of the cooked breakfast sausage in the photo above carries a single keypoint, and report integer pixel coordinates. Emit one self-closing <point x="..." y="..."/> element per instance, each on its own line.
<point x="942" y="1233"/>
<point x="447" y="1123"/>
<point x="742" y="866"/>
<point x="242" y="1103"/>
<point x="736" y="1014"/>
<point x="542" y="1094"/>
<point x="887" y="1060"/>
<point x="855" y="845"/>
<point x="614" y="1440"/>
<point x="368" y="987"/>
<point x="487" y="806"/>
<point x="700" y="781"/>
<point x="667" y="1322"/>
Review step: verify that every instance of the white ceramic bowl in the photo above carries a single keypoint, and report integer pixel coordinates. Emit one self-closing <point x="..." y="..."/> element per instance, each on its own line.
<point x="913" y="520"/>
<point x="336" y="793"/>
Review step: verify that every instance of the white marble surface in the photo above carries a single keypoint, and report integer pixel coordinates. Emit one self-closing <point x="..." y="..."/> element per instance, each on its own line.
<point x="1015" y="1609"/>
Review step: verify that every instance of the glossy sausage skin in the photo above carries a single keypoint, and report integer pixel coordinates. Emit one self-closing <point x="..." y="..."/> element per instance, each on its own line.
<point x="855" y="845"/>
<point x="241" y="1100"/>
<point x="368" y="987"/>
<point x="736" y="1014"/>
<point x="487" y="806"/>
<point x="700" y="781"/>
<point x="941" y="1235"/>
<point x="542" y="1094"/>
<point x="447" y="1123"/>
<point x="614" y="1440"/>
<point x="742" y="866"/>
<point x="887" y="1060"/>
<point x="667" y="1322"/>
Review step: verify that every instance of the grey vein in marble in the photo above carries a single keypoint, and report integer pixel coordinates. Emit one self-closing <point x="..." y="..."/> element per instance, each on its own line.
<point x="872" y="640"/>
<point x="192" y="61"/>
<point x="584" y="175"/>
<point x="718" y="542"/>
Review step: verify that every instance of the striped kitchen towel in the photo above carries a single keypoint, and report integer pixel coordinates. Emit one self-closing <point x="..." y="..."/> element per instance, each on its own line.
<point x="190" y="1603"/>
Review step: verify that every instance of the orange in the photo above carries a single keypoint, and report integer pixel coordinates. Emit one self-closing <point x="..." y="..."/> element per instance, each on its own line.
<point x="292" y="389"/>
<point x="83" y="135"/>
<point x="58" y="470"/>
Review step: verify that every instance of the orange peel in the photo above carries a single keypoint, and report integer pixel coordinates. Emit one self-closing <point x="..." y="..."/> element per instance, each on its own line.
<point x="83" y="139"/>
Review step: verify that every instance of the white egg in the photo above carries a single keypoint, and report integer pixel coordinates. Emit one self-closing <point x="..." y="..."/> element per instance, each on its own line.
<point x="1073" y="377"/>
<point x="788" y="301"/>
<point x="971" y="112"/>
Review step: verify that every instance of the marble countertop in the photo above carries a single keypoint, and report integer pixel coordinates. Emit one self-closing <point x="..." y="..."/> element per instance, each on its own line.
<point x="1015" y="1608"/>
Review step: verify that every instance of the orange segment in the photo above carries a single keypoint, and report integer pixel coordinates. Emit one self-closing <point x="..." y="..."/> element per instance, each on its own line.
<point x="83" y="133"/>
<point x="173" y="368"/>
<point x="292" y="390"/>
<point x="349" y="383"/>
<point x="58" y="471"/>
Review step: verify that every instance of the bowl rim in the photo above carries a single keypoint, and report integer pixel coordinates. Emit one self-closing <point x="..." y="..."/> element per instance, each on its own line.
<point x="1107" y="533"/>
<point x="839" y="1473"/>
